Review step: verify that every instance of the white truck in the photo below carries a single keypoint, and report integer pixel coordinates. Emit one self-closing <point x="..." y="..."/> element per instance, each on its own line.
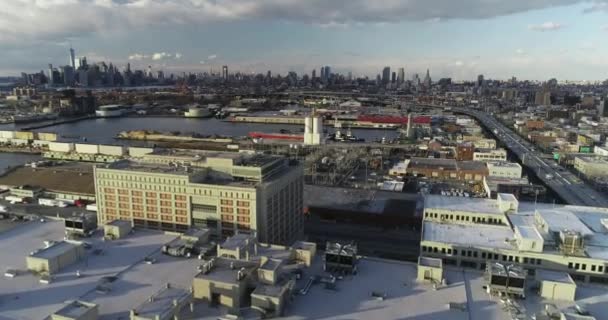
<point x="52" y="203"/>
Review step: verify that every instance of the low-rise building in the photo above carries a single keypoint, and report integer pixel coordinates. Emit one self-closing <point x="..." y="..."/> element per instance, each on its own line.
<point x="591" y="167"/>
<point x="476" y="232"/>
<point x="447" y="169"/>
<point x="486" y="155"/>
<point x="502" y="169"/>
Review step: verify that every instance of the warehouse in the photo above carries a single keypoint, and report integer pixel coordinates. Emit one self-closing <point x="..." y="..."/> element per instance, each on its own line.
<point x="70" y="181"/>
<point x="54" y="257"/>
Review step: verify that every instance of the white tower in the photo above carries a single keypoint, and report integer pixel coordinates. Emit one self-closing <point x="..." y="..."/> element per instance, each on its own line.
<point x="409" y="132"/>
<point x="313" y="129"/>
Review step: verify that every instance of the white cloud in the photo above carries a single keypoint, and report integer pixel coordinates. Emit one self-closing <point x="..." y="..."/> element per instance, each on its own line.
<point x="212" y="57"/>
<point x="157" y="56"/>
<point x="547" y="26"/>
<point x="138" y="56"/>
<point x="22" y="21"/>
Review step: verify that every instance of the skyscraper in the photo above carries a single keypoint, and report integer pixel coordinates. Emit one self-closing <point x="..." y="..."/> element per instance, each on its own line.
<point x="50" y="76"/>
<point x="401" y="76"/>
<point x="72" y="58"/>
<point x="427" y="79"/>
<point x="386" y="74"/>
<point x="313" y="74"/>
<point x="393" y="77"/>
<point x="225" y="72"/>
<point x="480" y="80"/>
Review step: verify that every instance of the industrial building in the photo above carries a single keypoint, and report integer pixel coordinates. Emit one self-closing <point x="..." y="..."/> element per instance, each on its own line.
<point x="313" y="129"/>
<point x="225" y="192"/>
<point x="476" y="232"/>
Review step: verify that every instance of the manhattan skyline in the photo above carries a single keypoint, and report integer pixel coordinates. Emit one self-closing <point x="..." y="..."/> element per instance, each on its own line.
<point x="534" y="40"/>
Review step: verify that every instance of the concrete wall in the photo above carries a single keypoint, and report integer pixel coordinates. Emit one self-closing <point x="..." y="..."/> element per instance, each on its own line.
<point x="557" y="290"/>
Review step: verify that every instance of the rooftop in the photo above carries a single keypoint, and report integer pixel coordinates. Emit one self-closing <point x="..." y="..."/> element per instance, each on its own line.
<point x="477" y="205"/>
<point x="54" y="250"/>
<point x="504" y="164"/>
<point x="104" y="259"/>
<point x="76" y="178"/>
<point x="226" y="270"/>
<point x="75" y="309"/>
<point x="468" y="235"/>
<point x="161" y="303"/>
<point x="554" y="276"/>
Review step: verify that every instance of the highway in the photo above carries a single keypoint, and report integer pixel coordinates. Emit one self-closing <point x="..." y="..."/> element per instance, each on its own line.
<point x="565" y="184"/>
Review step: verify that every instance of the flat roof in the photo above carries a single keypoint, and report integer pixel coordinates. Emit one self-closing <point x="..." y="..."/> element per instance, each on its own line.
<point x="468" y="235"/>
<point x="475" y="205"/>
<point x="54" y="250"/>
<point x="503" y="164"/>
<point x="75" y="309"/>
<point x="222" y="271"/>
<point x="33" y="300"/>
<point x="161" y="303"/>
<point x="563" y="220"/>
<point x="554" y="276"/>
<point x="75" y="178"/>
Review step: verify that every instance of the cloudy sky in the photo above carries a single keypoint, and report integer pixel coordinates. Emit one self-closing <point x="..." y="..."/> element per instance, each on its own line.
<point x="530" y="39"/>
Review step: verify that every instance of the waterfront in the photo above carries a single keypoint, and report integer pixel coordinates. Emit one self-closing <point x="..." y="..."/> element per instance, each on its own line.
<point x="104" y="130"/>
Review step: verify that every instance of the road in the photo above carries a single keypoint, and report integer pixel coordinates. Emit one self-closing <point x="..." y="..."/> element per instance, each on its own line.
<point x="565" y="184"/>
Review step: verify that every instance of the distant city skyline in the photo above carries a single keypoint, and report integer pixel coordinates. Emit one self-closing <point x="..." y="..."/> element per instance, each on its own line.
<point x="534" y="39"/>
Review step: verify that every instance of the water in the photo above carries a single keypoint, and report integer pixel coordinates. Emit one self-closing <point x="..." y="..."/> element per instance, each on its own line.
<point x="104" y="131"/>
<point x="8" y="160"/>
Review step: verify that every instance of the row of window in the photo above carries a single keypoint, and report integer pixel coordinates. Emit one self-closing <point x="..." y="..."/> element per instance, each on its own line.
<point x="583" y="267"/>
<point x="483" y="255"/>
<point x="463" y="218"/>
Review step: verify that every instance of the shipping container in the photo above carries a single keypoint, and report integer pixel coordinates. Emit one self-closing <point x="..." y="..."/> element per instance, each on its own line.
<point x="61" y="146"/>
<point x="112" y="150"/>
<point x="40" y="143"/>
<point x="25" y="135"/>
<point x="7" y="134"/>
<point x="139" y="151"/>
<point x="87" y="148"/>
<point x="47" y="136"/>
<point x="19" y="142"/>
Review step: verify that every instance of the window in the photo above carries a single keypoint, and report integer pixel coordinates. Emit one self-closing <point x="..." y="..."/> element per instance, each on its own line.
<point x="577" y="266"/>
<point x="226" y="202"/>
<point x="165" y="203"/>
<point x="180" y="205"/>
<point x="584" y="267"/>
<point x="570" y="265"/>
<point x="242" y="203"/>
<point x="180" y="198"/>
<point x="151" y="194"/>
<point x="593" y="268"/>
<point x="600" y="269"/>
<point x="525" y="259"/>
<point x="136" y="193"/>
<point x="165" y="210"/>
<point x="483" y="255"/>
<point x="165" y="196"/>
<point x="181" y="212"/>
<point x="151" y="209"/>
<point x="455" y="252"/>
<point x="123" y="191"/>
<point x="443" y="250"/>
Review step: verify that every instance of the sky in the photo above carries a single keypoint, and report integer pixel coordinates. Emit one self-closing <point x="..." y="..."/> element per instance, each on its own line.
<point x="528" y="39"/>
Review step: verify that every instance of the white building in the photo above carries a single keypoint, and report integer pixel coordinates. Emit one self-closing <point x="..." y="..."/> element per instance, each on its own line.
<point x="474" y="232"/>
<point x="486" y="155"/>
<point x="504" y="169"/>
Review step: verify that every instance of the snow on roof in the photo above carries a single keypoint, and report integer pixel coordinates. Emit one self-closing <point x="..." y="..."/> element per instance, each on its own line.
<point x="468" y="235"/>
<point x="33" y="300"/>
<point x="563" y="220"/>
<point x="476" y="205"/>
